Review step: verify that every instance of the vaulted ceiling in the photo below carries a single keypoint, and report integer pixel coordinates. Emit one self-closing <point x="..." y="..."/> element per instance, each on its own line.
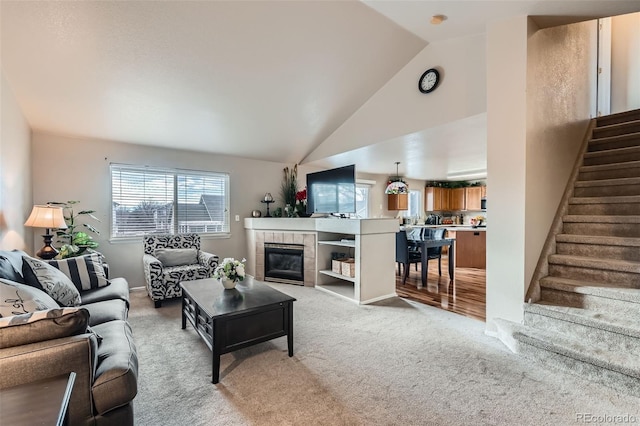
<point x="269" y="80"/>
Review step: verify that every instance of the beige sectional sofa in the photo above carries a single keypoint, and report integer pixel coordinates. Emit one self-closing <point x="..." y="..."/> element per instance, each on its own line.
<point x="103" y="355"/>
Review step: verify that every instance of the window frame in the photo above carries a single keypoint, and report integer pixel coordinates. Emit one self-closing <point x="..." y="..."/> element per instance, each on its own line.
<point x="176" y="173"/>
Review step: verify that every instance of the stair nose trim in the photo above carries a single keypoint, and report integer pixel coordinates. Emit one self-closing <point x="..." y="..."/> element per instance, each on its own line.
<point x="627" y="266"/>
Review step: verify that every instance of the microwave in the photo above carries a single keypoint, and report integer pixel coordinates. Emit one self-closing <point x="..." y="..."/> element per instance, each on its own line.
<point x="483" y="204"/>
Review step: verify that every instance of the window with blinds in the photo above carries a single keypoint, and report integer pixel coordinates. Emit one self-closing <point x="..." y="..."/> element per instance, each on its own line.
<point x="146" y="200"/>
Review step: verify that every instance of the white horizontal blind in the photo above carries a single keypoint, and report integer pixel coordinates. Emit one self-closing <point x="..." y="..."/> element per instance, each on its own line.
<point x="146" y="200"/>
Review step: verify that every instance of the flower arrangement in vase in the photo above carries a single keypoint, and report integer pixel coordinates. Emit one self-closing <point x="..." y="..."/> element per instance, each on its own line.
<point x="301" y="203"/>
<point x="229" y="272"/>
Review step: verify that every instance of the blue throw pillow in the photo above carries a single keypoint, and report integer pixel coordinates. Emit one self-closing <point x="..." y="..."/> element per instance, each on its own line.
<point x="8" y="272"/>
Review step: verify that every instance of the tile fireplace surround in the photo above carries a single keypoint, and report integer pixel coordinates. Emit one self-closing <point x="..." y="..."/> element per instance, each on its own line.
<point x="308" y="240"/>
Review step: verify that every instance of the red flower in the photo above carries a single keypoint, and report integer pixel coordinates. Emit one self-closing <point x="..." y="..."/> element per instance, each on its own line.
<point x="301" y="195"/>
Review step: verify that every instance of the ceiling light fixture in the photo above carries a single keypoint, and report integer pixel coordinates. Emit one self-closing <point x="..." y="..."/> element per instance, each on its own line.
<point x="396" y="185"/>
<point x="438" y="19"/>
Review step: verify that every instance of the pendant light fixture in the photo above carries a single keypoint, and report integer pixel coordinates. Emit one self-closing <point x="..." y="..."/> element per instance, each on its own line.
<point x="396" y="185"/>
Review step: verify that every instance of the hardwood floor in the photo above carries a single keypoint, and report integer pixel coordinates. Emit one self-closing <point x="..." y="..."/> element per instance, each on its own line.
<point x="465" y="296"/>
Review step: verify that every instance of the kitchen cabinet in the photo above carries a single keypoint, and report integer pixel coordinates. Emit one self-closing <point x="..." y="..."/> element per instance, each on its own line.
<point x="473" y="195"/>
<point x="457" y="199"/>
<point x="453" y="199"/>
<point x="397" y="201"/>
<point x="436" y="199"/>
<point x="471" y="249"/>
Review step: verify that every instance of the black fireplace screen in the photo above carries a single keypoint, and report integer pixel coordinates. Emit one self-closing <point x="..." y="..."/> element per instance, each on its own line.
<point x="284" y="263"/>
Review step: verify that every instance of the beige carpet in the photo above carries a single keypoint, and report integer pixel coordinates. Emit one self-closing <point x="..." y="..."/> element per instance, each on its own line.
<point x="393" y="363"/>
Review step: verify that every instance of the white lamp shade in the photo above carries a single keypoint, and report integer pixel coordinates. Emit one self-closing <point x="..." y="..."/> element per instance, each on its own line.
<point x="49" y="217"/>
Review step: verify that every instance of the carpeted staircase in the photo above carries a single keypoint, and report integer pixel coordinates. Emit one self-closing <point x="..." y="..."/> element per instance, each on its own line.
<point x="587" y="320"/>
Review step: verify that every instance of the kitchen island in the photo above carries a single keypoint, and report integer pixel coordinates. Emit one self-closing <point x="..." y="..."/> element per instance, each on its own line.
<point x="470" y="244"/>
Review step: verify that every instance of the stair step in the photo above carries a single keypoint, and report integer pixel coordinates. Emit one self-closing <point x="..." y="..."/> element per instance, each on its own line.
<point x="598" y="246"/>
<point x="618" y="129"/>
<point x="584" y="218"/>
<point x="624" y="272"/>
<point x="600" y="296"/>
<point x="617" y="199"/>
<point x="608" y="205"/>
<point x="609" y="143"/>
<point x="626" y="325"/>
<point x="617" y="332"/>
<point x="617" y="369"/>
<point x="607" y="187"/>
<point x="605" y="241"/>
<point x="610" y="171"/>
<point x="602" y="225"/>
<point x="602" y="264"/>
<point x="603" y="290"/>
<point x="617" y="155"/>
<point x="619" y="117"/>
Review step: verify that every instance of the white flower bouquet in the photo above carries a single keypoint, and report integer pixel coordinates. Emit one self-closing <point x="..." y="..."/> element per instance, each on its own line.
<point x="231" y="269"/>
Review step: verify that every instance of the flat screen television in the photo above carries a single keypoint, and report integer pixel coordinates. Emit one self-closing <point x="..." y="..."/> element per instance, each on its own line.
<point x="332" y="191"/>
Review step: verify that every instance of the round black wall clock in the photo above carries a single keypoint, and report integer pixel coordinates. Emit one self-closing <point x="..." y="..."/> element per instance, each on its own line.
<point x="429" y="80"/>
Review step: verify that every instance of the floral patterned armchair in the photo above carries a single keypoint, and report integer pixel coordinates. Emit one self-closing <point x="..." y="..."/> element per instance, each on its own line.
<point x="169" y="259"/>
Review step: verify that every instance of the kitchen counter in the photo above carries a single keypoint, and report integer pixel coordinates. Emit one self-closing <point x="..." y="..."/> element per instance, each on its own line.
<point x="456" y="228"/>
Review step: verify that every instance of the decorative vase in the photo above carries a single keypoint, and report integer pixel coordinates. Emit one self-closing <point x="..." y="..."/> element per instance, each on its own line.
<point x="228" y="283"/>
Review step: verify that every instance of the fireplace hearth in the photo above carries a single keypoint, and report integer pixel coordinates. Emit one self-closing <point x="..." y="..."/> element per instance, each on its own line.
<point x="284" y="263"/>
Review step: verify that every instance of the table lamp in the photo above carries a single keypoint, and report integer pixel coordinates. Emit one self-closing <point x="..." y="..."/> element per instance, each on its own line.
<point x="48" y="217"/>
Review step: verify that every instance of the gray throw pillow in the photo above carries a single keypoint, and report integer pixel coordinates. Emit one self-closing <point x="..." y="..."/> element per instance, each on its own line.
<point x="177" y="257"/>
<point x="17" y="299"/>
<point x="53" y="282"/>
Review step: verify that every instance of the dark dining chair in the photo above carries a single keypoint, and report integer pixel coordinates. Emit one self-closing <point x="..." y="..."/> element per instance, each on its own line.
<point x="405" y="256"/>
<point x="435" y="252"/>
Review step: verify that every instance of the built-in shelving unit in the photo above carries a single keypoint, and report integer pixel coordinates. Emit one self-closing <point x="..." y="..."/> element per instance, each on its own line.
<point x="332" y="282"/>
<point x="370" y="242"/>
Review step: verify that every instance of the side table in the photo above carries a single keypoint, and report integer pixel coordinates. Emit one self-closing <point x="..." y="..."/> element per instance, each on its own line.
<point x="43" y="402"/>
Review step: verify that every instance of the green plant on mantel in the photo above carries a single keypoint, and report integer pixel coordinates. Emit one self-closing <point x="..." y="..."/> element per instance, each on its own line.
<point x="452" y="184"/>
<point x="289" y="186"/>
<point x="75" y="242"/>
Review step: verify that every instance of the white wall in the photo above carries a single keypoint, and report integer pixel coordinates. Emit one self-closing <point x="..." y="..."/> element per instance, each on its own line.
<point x="398" y="108"/>
<point x="561" y="81"/>
<point x="506" y="167"/>
<point x="540" y="95"/>
<point x="625" y="62"/>
<point x="15" y="172"/>
<point x="80" y="169"/>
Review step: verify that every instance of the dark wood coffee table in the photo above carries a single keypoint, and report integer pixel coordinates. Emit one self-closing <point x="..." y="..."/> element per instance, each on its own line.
<point x="228" y="320"/>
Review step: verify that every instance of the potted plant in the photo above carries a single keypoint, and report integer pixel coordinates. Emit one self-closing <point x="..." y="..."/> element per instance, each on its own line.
<point x="289" y="188"/>
<point x="229" y="272"/>
<point x="75" y="242"/>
